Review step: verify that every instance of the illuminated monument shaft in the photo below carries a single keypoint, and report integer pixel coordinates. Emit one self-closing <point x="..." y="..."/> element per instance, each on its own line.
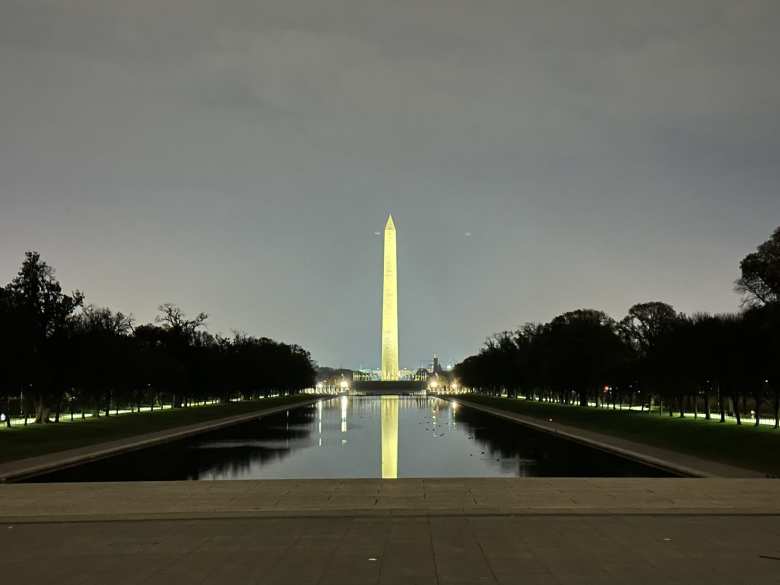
<point x="390" y="306"/>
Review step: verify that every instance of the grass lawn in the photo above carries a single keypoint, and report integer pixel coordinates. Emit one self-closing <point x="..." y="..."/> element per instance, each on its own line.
<point x="744" y="446"/>
<point x="21" y="442"/>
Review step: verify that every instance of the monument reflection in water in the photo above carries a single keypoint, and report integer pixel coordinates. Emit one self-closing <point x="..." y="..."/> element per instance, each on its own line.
<point x="389" y="414"/>
<point x="362" y="437"/>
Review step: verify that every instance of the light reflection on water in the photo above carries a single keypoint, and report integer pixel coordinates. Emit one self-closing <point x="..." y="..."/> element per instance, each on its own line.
<point x="387" y="437"/>
<point x="389" y="406"/>
<point x="362" y="437"/>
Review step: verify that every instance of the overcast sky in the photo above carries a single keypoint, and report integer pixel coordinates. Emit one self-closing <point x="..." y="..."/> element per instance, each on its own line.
<point x="237" y="157"/>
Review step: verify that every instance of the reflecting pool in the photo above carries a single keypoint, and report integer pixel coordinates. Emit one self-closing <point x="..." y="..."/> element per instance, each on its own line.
<point x="368" y="437"/>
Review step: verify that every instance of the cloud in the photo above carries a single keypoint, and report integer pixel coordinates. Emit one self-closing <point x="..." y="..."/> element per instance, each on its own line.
<point x="599" y="137"/>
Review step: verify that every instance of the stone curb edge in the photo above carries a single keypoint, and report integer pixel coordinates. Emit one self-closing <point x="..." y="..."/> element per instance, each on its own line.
<point x="66" y="461"/>
<point x="381" y="513"/>
<point x="678" y="469"/>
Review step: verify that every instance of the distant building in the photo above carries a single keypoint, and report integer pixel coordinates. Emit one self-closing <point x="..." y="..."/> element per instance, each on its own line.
<point x="366" y="375"/>
<point x="436" y="366"/>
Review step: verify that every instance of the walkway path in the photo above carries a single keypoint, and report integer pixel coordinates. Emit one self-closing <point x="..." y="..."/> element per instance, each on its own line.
<point x="444" y="532"/>
<point x="685" y="465"/>
<point x="22" y="468"/>
<point x="63" y="502"/>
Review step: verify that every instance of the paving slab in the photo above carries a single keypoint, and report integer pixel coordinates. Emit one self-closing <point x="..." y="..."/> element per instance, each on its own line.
<point x="64" y="502"/>
<point x="561" y="550"/>
<point x="432" y="531"/>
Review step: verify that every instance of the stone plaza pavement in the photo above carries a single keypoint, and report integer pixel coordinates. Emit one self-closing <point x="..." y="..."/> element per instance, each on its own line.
<point x="431" y="531"/>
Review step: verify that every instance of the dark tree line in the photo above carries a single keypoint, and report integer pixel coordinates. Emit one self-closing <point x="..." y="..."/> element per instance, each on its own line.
<point x="655" y="357"/>
<point x="58" y="354"/>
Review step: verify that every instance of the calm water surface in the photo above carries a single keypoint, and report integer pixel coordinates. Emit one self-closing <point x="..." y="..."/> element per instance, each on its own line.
<point x="370" y="437"/>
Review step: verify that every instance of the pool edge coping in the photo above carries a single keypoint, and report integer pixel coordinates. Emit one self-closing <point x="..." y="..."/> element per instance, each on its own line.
<point x="602" y="445"/>
<point x="31" y="466"/>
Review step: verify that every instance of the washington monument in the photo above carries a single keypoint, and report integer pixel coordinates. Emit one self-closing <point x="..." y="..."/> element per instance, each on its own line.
<point x="390" y="306"/>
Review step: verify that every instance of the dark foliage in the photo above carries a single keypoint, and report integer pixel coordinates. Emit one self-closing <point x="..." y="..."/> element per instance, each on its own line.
<point x="57" y="354"/>
<point x="701" y="364"/>
<point x="654" y="356"/>
<point x="760" y="280"/>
